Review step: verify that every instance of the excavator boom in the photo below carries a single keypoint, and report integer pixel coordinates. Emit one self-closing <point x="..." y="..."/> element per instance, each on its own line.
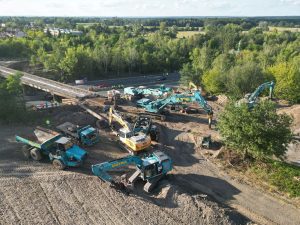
<point x="100" y="170"/>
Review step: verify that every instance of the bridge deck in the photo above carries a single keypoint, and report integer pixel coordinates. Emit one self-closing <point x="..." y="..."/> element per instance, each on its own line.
<point x="48" y="85"/>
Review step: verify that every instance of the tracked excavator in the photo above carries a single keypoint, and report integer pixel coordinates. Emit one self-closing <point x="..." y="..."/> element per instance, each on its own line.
<point x="150" y="169"/>
<point x="251" y="98"/>
<point x="159" y="105"/>
<point x="133" y="142"/>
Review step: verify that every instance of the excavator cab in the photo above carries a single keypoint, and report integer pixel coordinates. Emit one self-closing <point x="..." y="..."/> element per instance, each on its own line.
<point x="125" y="133"/>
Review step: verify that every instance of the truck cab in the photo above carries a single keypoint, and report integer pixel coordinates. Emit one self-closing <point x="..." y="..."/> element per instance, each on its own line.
<point x="69" y="154"/>
<point x="84" y="135"/>
<point x="88" y="135"/>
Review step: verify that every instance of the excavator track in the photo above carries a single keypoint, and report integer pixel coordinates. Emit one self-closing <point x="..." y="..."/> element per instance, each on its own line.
<point x="151" y="184"/>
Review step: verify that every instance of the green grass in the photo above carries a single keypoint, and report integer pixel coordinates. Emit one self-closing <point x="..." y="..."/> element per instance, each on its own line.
<point x="281" y="29"/>
<point x="187" y="34"/>
<point x="280" y="175"/>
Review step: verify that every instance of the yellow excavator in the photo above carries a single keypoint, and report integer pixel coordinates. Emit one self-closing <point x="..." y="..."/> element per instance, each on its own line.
<point x="193" y="86"/>
<point x="133" y="142"/>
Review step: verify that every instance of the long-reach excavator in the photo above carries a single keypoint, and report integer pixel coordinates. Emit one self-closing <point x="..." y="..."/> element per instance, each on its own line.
<point x="130" y="140"/>
<point x="150" y="169"/>
<point x="251" y="98"/>
<point x="158" y="105"/>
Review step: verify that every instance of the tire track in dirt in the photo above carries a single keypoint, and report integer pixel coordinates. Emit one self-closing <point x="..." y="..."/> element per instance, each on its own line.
<point x="94" y="203"/>
<point x="36" y="212"/>
<point x="154" y="215"/>
<point x="79" y="202"/>
<point x="51" y="210"/>
<point x="64" y="203"/>
<point x="7" y="213"/>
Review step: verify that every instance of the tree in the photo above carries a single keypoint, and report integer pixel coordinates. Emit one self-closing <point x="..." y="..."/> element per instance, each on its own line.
<point x="13" y="84"/>
<point x="287" y="75"/>
<point x="12" y="106"/>
<point x="162" y="27"/>
<point x="243" y="79"/>
<point x="188" y="74"/>
<point x="214" y="80"/>
<point x="259" y="133"/>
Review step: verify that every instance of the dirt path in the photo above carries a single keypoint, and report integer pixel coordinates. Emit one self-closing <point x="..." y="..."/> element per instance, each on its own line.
<point x="201" y="176"/>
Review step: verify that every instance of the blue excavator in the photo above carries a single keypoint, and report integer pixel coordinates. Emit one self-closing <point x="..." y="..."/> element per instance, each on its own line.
<point x="251" y="98"/>
<point x="158" y="105"/>
<point x="150" y="169"/>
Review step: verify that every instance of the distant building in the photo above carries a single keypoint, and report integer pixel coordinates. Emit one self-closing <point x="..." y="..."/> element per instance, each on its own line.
<point x="57" y="31"/>
<point x="3" y="25"/>
<point x="11" y="32"/>
<point x="19" y="34"/>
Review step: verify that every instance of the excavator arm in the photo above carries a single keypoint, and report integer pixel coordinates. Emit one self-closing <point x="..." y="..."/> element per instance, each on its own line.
<point x="101" y="170"/>
<point x="192" y="85"/>
<point x="117" y="117"/>
<point x="252" y="98"/>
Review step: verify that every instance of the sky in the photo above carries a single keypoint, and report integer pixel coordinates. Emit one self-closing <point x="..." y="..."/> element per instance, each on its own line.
<point x="146" y="8"/>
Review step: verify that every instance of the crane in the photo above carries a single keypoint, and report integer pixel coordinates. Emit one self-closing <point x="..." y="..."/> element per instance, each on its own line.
<point x="150" y="169"/>
<point x="158" y="105"/>
<point x="131" y="141"/>
<point x="251" y="98"/>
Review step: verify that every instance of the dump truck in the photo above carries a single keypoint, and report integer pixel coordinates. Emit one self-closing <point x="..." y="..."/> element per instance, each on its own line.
<point x="59" y="149"/>
<point x="86" y="135"/>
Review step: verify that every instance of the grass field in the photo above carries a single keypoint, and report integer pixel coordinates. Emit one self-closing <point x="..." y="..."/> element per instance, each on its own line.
<point x="187" y="34"/>
<point x="281" y="29"/>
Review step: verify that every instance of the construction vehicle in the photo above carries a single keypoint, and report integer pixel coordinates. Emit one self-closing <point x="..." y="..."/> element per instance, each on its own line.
<point x="130" y="140"/>
<point x="159" y="105"/>
<point x="193" y="86"/>
<point x="251" y="98"/>
<point x="86" y="135"/>
<point x="145" y="125"/>
<point x="60" y="150"/>
<point x="138" y="93"/>
<point x="150" y="169"/>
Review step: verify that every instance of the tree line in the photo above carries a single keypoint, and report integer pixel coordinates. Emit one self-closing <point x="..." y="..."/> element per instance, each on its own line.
<point x="223" y="59"/>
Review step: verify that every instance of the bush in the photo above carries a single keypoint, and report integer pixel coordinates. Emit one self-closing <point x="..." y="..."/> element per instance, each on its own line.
<point x="279" y="174"/>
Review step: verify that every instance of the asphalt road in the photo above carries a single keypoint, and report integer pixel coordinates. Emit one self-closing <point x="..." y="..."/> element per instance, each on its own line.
<point x="148" y="80"/>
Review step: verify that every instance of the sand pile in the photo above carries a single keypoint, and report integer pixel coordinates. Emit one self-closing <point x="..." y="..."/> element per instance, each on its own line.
<point x="293" y="111"/>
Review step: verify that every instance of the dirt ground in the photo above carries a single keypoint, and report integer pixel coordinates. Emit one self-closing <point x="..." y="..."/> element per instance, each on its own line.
<point x="196" y="192"/>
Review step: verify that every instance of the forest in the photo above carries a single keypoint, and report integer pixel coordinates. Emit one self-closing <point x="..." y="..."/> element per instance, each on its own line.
<point x="231" y="56"/>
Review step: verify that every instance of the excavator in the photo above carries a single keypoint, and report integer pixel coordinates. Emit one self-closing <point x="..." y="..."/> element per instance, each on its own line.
<point x="150" y="169"/>
<point x="158" y="105"/>
<point x="130" y="140"/>
<point x="193" y="86"/>
<point x="145" y="125"/>
<point x="251" y="98"/>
